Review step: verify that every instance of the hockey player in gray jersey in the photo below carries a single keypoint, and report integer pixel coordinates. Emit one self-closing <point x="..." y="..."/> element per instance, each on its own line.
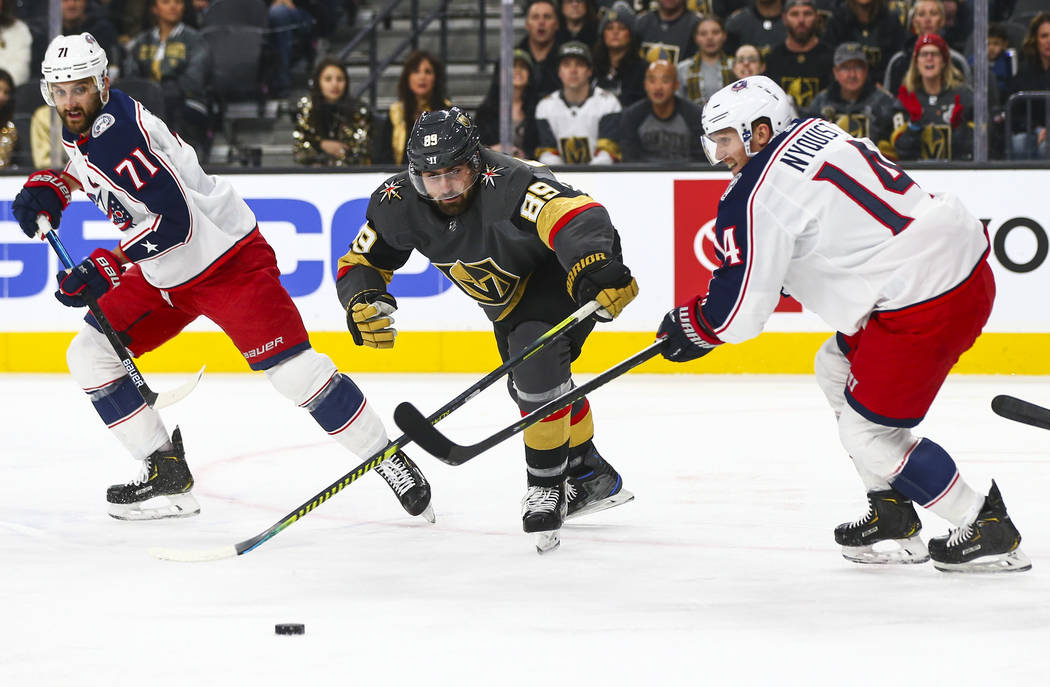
<point x="529" y="250"/>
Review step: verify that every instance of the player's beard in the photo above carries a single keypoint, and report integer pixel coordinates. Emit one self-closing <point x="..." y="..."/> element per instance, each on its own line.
<point x="459" y="204"/>
<point x="84" y="121"/>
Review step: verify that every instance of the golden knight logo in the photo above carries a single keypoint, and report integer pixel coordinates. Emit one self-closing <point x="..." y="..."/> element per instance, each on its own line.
<point x="484" y="281"/>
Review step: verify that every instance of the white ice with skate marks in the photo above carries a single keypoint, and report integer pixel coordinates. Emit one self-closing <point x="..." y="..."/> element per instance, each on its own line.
<point x="722" y="571"/>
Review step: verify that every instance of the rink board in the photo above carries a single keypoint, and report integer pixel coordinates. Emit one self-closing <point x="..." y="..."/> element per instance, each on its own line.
<point x="665" y="221"/>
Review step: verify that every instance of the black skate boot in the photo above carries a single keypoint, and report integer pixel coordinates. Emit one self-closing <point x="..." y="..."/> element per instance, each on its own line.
<point x="409" y="485"/>
<point x="989" y="544"/>
<point x="162" y="489"/>
<point x="594" y="485"/>
<point x="892" y="522"/>
<point x="543" y="512"/>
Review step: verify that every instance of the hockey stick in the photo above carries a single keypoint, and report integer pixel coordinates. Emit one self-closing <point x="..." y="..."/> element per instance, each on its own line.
<point x="421" y="430"/>
<point x="390" y="449"/>
<point x="1021" y="411"/>
<point x="152" y="398"/>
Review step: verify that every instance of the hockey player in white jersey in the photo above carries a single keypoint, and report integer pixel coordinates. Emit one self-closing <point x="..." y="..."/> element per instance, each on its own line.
<point x="190" y="246"/>
<point x="900" y="273"/>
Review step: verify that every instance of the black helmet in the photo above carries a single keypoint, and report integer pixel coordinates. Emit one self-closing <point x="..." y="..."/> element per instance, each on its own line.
<point x="439" y="140"/>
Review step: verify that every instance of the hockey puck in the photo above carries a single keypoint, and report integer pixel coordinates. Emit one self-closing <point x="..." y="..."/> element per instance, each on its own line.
<point x="289" y="628"/>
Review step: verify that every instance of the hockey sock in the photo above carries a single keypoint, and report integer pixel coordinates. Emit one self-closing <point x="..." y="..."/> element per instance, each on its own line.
<point x="581" y="427"/>
<point x="872" y="482"/>
<point x="341" y="409"/>
<point x="929" y="477"/>
<point x="137" y="426"/>
<point x="546" y="468"/>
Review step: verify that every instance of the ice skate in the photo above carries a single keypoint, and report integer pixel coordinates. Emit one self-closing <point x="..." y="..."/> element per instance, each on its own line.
<point x="888" y="534"/>
<point x="594" y="485"/>
<point x="408" y="484"/>
<point x="162" y="489"/>
<point x="543" y="512"/>
<point x="990" y="544"/>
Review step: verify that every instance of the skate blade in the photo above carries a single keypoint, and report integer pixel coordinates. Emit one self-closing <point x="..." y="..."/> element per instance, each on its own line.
<point x="157" y="508"/>
<point x="618" y="499"/>
<point x="889" y="552"/>
<point x="547" y="541"/>
<point x="1015" y="561"/>
<point x="428" y="514"/>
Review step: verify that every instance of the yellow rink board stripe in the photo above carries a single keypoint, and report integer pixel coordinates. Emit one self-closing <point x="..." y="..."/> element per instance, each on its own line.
<point x="770" y="353"/>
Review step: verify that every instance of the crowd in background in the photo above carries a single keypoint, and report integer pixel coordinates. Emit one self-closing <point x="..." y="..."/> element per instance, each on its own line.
<point x="594" y="81"/>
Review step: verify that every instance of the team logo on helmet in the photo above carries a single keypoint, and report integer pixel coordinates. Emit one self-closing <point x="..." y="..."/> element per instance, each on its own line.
<point x="391" y="191"/>
<point x="103" y="122"/>
<point x="463" y="119"/>
<point x="740" y="85"/>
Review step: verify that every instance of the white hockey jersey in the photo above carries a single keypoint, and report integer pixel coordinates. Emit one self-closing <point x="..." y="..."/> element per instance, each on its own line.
<point x="176" y="220"/>
<point x="824" y="217"/>
<point x="578" y="134"/>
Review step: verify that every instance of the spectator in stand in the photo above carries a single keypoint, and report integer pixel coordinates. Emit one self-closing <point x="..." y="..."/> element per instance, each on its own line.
<point x="748" y="62"/>
<point x="939" y="106"/>
<point x="178" y="58"/>
<point x="579" y="22"/>
<point x="332" y="129"/>
<point x="958" y="23"/>
<point x="579" y="124"/>
<point x="522" y="110"/>
<point x="802" y="64"/>
<point x="541" y="27"/>
<point x="8" y="133"/>
<point x="1032" y="75"/>
<point x="668" y="31"/>
<point x="129" y="17"/>
<point x="663" y="128"/>
<point x="290" y="28"/>
<point x="78" y="18"/>
<point x="759" y="24"/>
<point x="420" y="89"/>
<point x="856" y="103"/>
<point x="927" y="16"/>
<point x="16" y="44"/>
<point x="709" y="69"/>
<point x="618" y="65"/>
<point x="869" y="23"/>
<point x="1002" y="60"/>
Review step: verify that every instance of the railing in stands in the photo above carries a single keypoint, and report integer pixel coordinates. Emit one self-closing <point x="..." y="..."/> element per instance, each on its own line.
<point x="369" y="33"/>
<point x="1028" y="99"/>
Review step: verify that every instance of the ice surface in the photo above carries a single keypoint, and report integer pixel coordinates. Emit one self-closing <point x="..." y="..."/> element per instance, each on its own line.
<point x="723" y="571"/>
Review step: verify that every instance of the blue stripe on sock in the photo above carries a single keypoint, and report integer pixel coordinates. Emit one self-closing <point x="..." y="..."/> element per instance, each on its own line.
<point x="928" y="472"/>
<point x="338" y="403"/>
<point x="117" y="401"/>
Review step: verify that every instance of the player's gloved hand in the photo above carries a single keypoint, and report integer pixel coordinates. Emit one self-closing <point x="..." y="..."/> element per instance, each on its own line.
<point x="911" y="104"/>
<point x="954" y="116"/>
<point x="608" y="281"/>
<point x="681" y="328"/>
<point x="44" y="193"/>
<point x="368" y="317"/>
<point x="95" y="275"/>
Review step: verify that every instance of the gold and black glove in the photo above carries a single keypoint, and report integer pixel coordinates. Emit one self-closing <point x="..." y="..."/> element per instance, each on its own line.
<point x="369" y="319"/>
<point x="606" y="280"/>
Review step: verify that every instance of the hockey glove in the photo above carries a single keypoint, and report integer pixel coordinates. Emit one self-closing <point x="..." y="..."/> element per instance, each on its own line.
<point x="368" y="317"/>
<point x="95" y="275"/>
<point x="44" y="193"/>
<point x="911" y="103"/>
<point x="682" y="329"/>
<point x="608" y="281"/>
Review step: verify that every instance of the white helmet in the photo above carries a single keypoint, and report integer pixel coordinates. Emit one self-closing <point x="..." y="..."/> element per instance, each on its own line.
<point x="739" y="104"/>
<point x="71" y="58"/>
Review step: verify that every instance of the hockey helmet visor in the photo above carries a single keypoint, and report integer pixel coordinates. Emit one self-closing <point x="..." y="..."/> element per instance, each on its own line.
<point x="72" y="58"/>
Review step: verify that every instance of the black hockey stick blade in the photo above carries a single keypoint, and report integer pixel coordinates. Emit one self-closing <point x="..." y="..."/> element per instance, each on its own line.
<point x="423" y="432"/>
<point x="1021" y="411"/>
<point x="152" y="398"/>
